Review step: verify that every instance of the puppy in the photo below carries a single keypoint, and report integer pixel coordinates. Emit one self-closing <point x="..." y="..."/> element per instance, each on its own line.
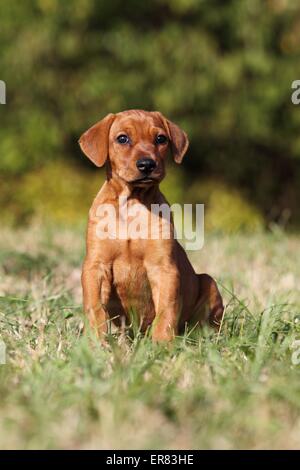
<point x="151" y="276"/>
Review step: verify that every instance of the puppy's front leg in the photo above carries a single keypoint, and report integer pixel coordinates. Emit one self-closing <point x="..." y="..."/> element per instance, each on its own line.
<point x="96" y="284"/>
<point x="165" y="286"/>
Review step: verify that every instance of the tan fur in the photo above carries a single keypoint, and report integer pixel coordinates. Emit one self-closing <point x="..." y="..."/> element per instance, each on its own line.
<point x="152" y="277"/>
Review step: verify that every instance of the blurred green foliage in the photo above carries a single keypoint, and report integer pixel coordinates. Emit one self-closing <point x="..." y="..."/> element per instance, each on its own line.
<point x="221" y="69"/>
<point x="226" y="209"/>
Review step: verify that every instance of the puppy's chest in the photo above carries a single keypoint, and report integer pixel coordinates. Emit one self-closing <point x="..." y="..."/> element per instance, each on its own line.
<point x="146" y="223"/>
<point x="132" y="284"/>
<point x="128" y="268"/>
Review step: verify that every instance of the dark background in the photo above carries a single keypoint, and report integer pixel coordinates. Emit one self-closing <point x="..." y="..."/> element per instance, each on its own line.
<point x="222" y="70"/>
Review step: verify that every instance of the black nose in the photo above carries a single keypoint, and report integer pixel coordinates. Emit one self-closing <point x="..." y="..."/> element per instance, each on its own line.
<point x="146" y="165"/>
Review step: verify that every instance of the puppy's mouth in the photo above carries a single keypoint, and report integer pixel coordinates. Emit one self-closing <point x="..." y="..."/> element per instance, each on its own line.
<point x="144" y="180"/>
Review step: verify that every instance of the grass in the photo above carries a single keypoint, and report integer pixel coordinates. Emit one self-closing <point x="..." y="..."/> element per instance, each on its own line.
<point x="60" y="389"/>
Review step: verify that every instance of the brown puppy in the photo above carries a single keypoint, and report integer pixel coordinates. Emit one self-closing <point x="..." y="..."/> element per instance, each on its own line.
<point x="150" y="276"/>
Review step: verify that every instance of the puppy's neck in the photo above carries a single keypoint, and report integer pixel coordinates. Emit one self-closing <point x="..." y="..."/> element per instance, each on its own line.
<point x="140" y="193"/>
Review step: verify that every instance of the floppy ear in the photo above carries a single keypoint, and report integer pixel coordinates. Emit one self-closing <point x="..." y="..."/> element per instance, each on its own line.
<point x="178" y="138"/>
<point x="94" y="142"/>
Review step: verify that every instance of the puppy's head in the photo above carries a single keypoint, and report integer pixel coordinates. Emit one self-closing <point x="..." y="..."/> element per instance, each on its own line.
<point x="135" y="143"/>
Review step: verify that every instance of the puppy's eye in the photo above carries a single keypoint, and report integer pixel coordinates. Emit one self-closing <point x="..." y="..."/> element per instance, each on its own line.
<point x="123" y="139"/>
<point x="161" y="139"/>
